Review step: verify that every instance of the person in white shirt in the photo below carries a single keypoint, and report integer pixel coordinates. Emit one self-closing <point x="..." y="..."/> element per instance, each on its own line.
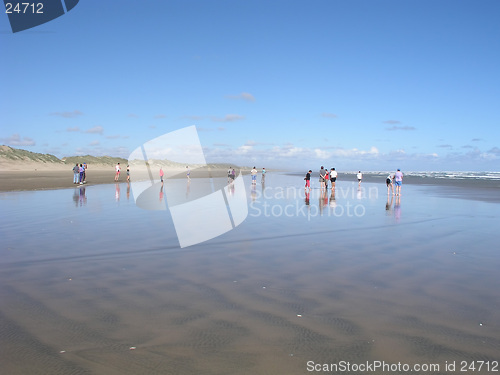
<point x="254" y="175"/>
<point x="360" y="177"/>
<point x="117" y="169"/>
<point x="333" y="177"/>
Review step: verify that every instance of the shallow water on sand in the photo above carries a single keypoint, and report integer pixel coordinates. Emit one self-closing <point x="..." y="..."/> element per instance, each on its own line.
<point x="90" y="283"/>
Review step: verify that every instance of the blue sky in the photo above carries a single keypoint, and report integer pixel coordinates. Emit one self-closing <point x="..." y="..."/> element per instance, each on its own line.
<point x="370" y="85"/>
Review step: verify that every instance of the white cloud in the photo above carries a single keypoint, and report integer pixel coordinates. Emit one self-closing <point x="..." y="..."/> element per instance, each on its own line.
<point x="228" y="118"/>
<point x="16" y="140"/>
<point x="73" y="129"/>
<point x="95" y="130"/>
<point x="69" y="114"/>
<point x="243" y="96"/>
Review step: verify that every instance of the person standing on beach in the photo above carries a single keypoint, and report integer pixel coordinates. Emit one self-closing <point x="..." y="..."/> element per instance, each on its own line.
<point x="82" y="173"/>
<point x="263" y="175"/>
<point x="333" y="177"/>
<point x="161" y="174"/>
<point x="398" y="181"/>
<point x="308" y="180"/>
<point x="360" y="177"/>
<point x="128" y="173"/>
<point x="76" y="174"/>
<point x="229" y="175"/>
<point x="188" y="173"/>
<point x="254" y="175"/>
<point x="322" y="177"/>
<point x="389" y="183"/>
<point x="117" y="174"/>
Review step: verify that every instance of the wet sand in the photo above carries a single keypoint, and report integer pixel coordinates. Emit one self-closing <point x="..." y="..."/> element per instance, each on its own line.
<point x="43" y="179"/>
<point x="97" y="286"/>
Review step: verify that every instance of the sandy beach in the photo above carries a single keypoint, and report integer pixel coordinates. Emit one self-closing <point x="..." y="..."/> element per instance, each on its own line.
<point x="90" y="283"/>
<point x="25" y="177"/>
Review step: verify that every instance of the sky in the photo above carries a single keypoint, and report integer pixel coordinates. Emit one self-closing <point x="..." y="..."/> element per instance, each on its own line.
<point x="368" y="85"/>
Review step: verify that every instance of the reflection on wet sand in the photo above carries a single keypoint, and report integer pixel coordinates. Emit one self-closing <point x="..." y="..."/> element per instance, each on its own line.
<point x="267" y="297"/>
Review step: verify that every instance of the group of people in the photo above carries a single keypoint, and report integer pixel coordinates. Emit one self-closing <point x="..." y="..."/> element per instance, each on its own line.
<point x="254" y="173"/>
<point x="325" y="175"/>
<point x="79" y="173"/>
<point x="118" y="171"/>
<point x="394" y="179"/>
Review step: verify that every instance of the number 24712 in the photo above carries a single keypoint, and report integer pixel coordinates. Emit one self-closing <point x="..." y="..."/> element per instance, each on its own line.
<point x="24" y="8"/>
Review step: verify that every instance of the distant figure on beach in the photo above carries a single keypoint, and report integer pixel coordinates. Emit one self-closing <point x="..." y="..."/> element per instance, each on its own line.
<point x="233" y="174"/>
<point x="76" y="174"/>
<point x="128" y="173"/>
<point x="229" y="175"/>
<point x="117" y="170"/>
<point x="188" y="173"/>
<point x="327" y="177"/>
<point x="333" y="177"/>
<point x="308" y="180"/>
<point x="398" y="181"/>
<point x="82" y="174"/>
<point x="322" y="177"/>
<point x="359" y="177"/>
<point x="263" y="175"/>
<point x="254" y="175"/>
<point x="161" y="174"/>
<point x="388" y="182"/>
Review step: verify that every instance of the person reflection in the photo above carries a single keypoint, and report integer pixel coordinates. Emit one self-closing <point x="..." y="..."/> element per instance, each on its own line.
<point x="397" y="208"/>
<point x="333" y="202"/>
<point x="253" y="192"/>
<point x="128" y="191"/>
<point x="117" y="192"/>
<point x="188" y="187"/>
<point x="307" y="198"/>
<point x="83" y="196"/>
<point x="161" y="191"/>
<point x="388" y="205"/>
<point x="323" y="200"/>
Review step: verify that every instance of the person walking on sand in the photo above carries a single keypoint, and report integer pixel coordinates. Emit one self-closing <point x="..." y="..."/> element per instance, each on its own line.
<point x="360" y="177"/>
<point x="254" y="175"/>
<point x="117" y="170"/>
<point x="128" y="173"/>
<point x="398" y="181"/>
<point x="188" y="173"/>
<point x="388" y="182"/>
<point x="76" y="174"/>
<point x="161" y="174"/>
<point x="308" y="180"/>
<point x="333" y="177"/>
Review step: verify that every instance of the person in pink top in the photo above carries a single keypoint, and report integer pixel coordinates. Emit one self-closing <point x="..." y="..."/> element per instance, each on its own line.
<point x="398" y="181"/>
<point x="161" y="174"/>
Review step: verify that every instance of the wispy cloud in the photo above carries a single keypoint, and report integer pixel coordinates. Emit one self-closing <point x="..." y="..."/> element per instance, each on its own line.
<point x="405" y="128"/>
<point x="132" y="115"/>
<point x="16" y="140"/>
<point x="476" y="140"/>
<point x="73" y="129"/>
<point x="94" y="143"/>
<point x="243" y="96"/>
<point x="95" y="130"/>
<point x="228" y="118"/>
<point x="160" y="116"/>
<point x="444" y="146"/>
<point x="329" y="115"/>
<point x="392" y="122"/>
<point x="68" y="114"/>
<point x="193" y="117"/>
<point x="495" y="151"/>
